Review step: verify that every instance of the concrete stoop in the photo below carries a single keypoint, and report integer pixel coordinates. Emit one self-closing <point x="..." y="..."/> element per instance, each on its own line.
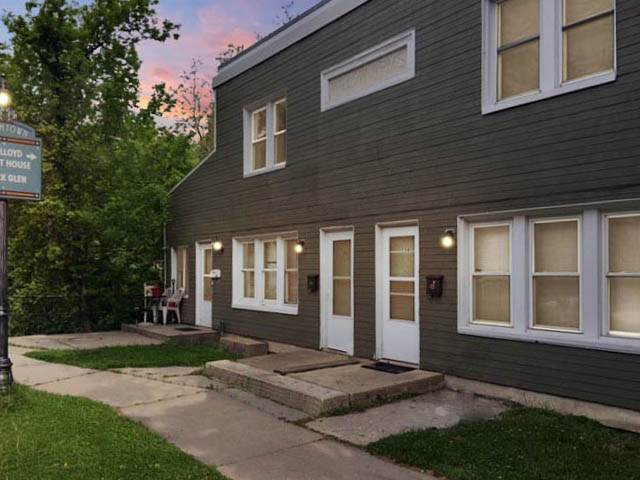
<point x="324" y="391"/>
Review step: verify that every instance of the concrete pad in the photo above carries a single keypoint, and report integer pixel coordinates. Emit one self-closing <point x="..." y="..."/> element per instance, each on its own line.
<point x="441" y="409"/>
<point x="218" y="430"/>
<point x="308" y="397"/>
<point x="277" y="410"/>
<point x="244" y="347"/>
<point x="277" y="347"/>
<point x="118" y="390"/>
<point x="324" y="460"/>
<point x="175" y="334"/>
<point x="294" y="359"/>
<point x="33" y="374"/>
<point x="40" y="342"/>
<point x="81" y="341"/>
<point x="366" y="386"/>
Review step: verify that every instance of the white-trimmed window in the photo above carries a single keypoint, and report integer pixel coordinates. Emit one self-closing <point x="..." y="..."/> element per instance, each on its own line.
<point x="623" y="275"/>
<point x="179" y="268"/>
<point x="491" y="282"/>
<point x="555" y="261"/>
<point x="535" y="49"/>
<point x="570" y="279"/>
<point x="265" y="275"/>
<point x="383" y="66"/>
<point x="265" y="133"/>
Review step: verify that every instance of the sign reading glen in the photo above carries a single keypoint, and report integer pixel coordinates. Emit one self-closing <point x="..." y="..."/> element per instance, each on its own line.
<point x="20" y="162"/>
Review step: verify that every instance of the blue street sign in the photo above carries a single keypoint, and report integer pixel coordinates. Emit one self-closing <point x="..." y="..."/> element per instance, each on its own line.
<point x="20" y="162"/>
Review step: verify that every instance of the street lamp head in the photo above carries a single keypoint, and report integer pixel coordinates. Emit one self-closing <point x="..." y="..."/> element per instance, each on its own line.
<point x="5" y="93"/>
<point x="5" y="98"/>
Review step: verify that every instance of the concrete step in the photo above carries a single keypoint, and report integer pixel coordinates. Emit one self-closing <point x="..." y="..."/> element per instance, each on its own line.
<point x="244" y="347"/>
<point x="321" y="392"/>
<point x="312" y="399"/>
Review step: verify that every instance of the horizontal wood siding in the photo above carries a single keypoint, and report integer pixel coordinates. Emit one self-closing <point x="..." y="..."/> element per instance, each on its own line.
<point x="420" y="150"/>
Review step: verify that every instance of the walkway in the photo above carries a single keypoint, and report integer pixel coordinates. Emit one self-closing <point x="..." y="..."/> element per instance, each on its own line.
<point x="243" y="436"/>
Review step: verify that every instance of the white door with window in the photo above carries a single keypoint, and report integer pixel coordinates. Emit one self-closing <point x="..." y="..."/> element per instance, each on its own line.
<point x="399" y="270"/>
<point x="204" y="291"/>
<point x="337" y="287"/>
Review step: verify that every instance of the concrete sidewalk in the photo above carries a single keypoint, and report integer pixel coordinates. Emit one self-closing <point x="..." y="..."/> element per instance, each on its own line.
<point x="82" y="341"/>
<point x="243" y="436"/>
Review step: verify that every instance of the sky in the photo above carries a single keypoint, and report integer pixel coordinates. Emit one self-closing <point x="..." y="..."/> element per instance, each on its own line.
<point x="207" y="27"/>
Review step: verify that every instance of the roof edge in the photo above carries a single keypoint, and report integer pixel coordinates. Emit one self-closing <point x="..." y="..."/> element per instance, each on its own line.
<point x="308" y="23"/>
<point x="192" y="171"/>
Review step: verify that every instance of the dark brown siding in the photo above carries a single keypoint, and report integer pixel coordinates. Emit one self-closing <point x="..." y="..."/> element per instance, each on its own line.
<point x="421" y="150"/>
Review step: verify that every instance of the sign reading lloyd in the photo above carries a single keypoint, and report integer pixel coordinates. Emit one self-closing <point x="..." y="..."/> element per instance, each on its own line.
<point x="20" y="162"/>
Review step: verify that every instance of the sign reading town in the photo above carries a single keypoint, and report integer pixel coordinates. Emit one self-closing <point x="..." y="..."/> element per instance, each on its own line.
<point x="20" y="162"/>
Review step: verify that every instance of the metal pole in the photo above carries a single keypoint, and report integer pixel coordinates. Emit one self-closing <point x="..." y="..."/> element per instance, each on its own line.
<point x="6" y="377"/>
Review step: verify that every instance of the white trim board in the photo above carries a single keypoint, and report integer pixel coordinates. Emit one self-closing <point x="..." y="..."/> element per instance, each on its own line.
<point x="298" y="30"/>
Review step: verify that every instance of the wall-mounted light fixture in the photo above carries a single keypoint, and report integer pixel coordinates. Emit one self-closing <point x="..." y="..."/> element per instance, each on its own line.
<point x="217" y="246"/>
<point x="448" y="240"/>
<point x="299" y="248"/>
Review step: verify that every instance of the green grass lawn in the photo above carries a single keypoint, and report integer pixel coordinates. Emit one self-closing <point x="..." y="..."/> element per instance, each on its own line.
<point x="44" y="436"/>
<point x="522" y="444"/>
<point x="146" y="356"/>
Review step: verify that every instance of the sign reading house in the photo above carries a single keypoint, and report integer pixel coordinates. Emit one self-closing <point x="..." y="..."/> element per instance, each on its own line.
<point x="20" y="162"/>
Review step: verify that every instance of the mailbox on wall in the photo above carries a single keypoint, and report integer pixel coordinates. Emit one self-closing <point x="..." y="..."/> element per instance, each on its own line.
<point x="313" y="283"/>
<point x="435" y="286"/>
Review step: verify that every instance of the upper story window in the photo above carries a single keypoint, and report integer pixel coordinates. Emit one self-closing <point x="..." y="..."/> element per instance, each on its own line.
<point x="535" y="49"/>
<point x="265" y="273"/>
<point x="380" y="67"/>
<point x="265" y="133"/>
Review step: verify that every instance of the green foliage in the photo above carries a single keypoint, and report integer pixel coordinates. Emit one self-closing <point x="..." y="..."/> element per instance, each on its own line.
<point x="107" y="166"/>
<point x="44" y="436"/>
<point x="523" y="444"/>
<point x="148" y="356"/>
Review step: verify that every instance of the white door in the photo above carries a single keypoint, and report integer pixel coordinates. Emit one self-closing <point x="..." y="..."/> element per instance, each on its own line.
<point x="204" y="292"/>
<point x="337" y="287"/>
<point x="400" y="295"/>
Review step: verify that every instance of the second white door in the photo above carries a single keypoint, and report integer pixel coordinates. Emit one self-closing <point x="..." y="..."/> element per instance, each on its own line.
<point x="400" y="328"/>
<point x="337" y="288"/>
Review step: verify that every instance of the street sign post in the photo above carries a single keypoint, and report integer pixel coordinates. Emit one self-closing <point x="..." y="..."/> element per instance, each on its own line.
<point x="20" y="179"/>
<point x="20" y="162"/>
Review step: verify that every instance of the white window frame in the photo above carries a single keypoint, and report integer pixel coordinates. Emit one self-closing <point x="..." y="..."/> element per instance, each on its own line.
<point x="606" y="327"/>
<point x="593" y="263"/>
<point x="533" y="274"/>
<point x="258" y="303"/>
<point x="473" y="273"/>
<point x="551" y="58"/>
<point x="406" y="39"/>
<point x="249" y="112"/>
<point x="278" y="133"/>
<point x="244" y="271"/>
<point x="185" y="267"/>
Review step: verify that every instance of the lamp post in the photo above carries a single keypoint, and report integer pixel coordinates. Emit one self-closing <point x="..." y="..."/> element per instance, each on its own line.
<point x="6" y="377"/>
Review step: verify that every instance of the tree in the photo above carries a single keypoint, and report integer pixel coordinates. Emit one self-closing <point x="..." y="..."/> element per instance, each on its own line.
<point x="107" y="167"/>
<point x="195" y="107"/>
<point x="229" y="54"/>
<point x="286" y="15"/>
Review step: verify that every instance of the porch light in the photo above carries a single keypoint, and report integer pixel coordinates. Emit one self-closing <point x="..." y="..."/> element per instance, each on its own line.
<point x="448" y="240"/>
<point x="217" y="246"/>
<point x="299" y="248"/>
